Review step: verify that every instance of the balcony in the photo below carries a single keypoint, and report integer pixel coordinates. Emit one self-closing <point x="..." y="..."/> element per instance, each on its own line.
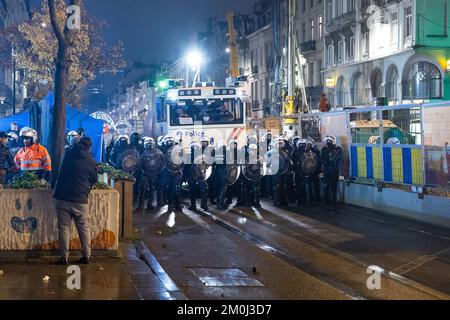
<point x="337" y="23"/>
<point x="308" y="46"/>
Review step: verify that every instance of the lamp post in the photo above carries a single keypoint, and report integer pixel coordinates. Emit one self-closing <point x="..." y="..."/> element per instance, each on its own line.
<point x="14" y="81"/>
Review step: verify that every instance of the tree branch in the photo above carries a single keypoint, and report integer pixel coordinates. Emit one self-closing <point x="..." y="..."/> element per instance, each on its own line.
<point x="54" y="21"/>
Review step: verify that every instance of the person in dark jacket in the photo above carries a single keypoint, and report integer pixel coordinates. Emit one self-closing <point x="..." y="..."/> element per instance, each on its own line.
<point x="78" y="173"/>
<point x="6" y="160"/>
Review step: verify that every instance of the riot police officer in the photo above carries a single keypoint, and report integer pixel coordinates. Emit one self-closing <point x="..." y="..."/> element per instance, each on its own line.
<point x="147" y="181"/>
<point x="281" y="178"/>
<point x="252" y="176"/>
<point x="305" y="166"/>
<point x="242" y="185"/>
<point x="236" y="190"/>
<point x="221" y="174"/>
<point x="135" y="140"/>
<point x="120" y="146"/>
<point x="266" y="181"/>
<point x="315" y="178"/>
<point x="332" y="157"/>
<point x="172" y="176"/>
<point x="208" y="154"/>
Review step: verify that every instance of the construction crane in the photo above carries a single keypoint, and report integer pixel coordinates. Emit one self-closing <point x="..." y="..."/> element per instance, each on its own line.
<point x="234" y="53"/>
<point x="295" y="78"/>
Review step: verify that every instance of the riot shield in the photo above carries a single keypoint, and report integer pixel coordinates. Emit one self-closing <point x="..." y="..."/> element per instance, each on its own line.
<point x="202" y="168"/>
<point x="252" y="171"/>
<point x="129" y="160"/>
<point x="233" y="172"/>
<point x="276" y="162"/>
<point x="174" y="159"/>
<point x="153" y="162"/>
<point x="308" y="164"/>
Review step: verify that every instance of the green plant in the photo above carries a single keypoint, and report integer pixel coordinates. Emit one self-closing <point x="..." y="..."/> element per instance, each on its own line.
<point x="101" y="186"/>
<point x="115" y="174"/>
<point x="29" y="181"/>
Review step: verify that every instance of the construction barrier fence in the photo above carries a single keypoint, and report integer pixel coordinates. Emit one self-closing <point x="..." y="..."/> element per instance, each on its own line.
<point x="406" y="145"/>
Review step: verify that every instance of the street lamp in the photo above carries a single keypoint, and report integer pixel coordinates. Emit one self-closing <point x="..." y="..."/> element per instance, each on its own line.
<point x="194" y="60"/>
<point x="13" y="54"/>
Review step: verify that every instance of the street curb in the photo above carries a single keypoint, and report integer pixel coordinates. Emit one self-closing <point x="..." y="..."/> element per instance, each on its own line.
<point x="33" y="255"/>
<point x="158" y="270"/>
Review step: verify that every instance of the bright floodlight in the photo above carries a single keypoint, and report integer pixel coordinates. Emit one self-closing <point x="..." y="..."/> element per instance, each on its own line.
<point x="194" y="58"/>
<point x="227" y="50"/>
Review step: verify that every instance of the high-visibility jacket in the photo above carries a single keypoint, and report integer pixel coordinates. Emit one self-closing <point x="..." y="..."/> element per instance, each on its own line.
<point x="33" y="158"/>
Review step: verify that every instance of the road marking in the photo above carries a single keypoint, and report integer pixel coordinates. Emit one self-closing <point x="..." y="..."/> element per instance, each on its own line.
<point x="418" y="262"/>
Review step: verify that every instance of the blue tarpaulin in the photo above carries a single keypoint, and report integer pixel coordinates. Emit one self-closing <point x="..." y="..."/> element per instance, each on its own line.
<point x="74" y="120"/>
<point x="22" y="119"/>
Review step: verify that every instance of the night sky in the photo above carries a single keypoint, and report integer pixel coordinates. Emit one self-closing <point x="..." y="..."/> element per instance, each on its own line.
<point x="154" y="30"/>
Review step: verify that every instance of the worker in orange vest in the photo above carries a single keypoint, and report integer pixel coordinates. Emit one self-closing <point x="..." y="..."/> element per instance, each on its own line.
<point x="324" y="105"/>
<point x="33" y="157"/>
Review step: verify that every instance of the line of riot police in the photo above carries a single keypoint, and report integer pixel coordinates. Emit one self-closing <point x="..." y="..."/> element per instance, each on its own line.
<point x="282" y="169"/>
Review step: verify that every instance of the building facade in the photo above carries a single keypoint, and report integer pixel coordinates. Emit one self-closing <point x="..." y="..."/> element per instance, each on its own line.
<point x="12" y="13"/>
<point x="386" y="49"/>
<point x="310" y="32"/>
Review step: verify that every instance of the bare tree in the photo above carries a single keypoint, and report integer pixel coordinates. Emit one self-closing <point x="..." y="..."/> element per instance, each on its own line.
<point x="64" y="36"/>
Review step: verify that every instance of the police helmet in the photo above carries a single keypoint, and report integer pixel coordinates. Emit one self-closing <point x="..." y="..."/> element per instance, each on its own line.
<point x="330" y="140"/>
<point x="135" y="137"/>
<point x="204" y="139"/>
<point x="393" y="141"/>
<point x="149" y="142"/>
<point x="278" y="143"/>
<point x="251" y="139"/>
<point x="267" y="137"/>
<point x="124" y="137"/>
<point x="253" y="147"/>
<point x="232" y="142"/>
<point x="302" y="143"/>
<point x="29" y="133"/>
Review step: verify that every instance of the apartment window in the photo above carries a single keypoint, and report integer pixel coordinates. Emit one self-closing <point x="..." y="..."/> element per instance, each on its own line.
<point x="320" y="23"/>
<point x="330" y="55"/>
<point x="340" y="7"/>
<point x="350" y="5"/>
<point x="408" y="22"/>
<point x="365" y="44"/>
<point x="351" y="48"/>
<point x="311" y="74"/>
<point x="304" y="32"/>
<point x="394" y="27"/>
<point x="312" y="3"/>
<point x="261" y="54"/>
<point x="329" y="10"/>
<point x="340" y="50"/>
<point x="312" y="29"/>
<point x="304" y="5"/>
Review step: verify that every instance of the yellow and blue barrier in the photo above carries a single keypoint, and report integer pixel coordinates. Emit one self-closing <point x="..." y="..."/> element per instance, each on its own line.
<point x="396" y="164"/>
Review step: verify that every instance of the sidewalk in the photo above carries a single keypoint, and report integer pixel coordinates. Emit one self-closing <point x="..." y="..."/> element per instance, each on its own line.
<point x="108" y="278"/>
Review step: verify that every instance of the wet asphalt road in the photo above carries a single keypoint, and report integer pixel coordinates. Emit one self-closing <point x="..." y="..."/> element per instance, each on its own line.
<point x="314" y="253"/>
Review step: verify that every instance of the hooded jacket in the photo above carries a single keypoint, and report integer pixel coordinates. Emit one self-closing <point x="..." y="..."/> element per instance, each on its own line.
<point x="77" y="175"/>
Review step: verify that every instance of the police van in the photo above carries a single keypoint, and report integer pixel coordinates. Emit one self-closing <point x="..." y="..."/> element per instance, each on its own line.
<point x="188" y="114"/>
